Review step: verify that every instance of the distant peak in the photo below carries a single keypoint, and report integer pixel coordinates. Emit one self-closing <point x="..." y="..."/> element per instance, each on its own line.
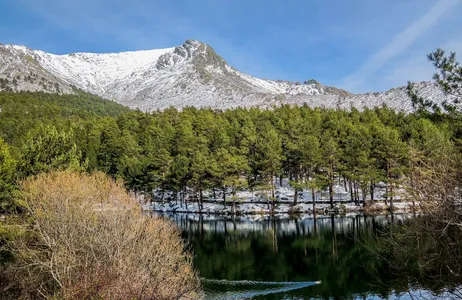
<point x="194" y="43"/>
<point x="15" y="47"/>
<point x="311" y="81"/>
<point x="198" y="53"/>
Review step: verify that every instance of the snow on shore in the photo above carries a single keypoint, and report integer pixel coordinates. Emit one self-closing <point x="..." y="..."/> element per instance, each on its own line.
<point x="253" y="203"/>
<point x="280" y="208"/>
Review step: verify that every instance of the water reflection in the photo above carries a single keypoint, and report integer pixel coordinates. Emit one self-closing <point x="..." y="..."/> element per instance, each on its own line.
<point x="245" y="289"/>
<point x="339" y="251"/>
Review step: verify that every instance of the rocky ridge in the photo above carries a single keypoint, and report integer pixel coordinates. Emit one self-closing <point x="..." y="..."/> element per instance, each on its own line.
<point x="192" y="74"/>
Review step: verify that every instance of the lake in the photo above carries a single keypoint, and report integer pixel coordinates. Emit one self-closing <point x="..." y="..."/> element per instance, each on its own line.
<point x="261" y="257"/>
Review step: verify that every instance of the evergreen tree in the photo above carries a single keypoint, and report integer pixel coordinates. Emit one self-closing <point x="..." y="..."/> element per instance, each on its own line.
<point x="448" y="77"/>
<point x="49" y="149"/>
<point x="7" y="177"/>
<point x="269" y="153"/>
<point x="231" y="172"/>
<point x="330" y="164"/>
<point x="393" y="152"/>
<point x="311" y="158"/>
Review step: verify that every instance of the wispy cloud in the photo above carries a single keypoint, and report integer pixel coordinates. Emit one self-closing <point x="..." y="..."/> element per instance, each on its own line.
<point x="291" y="40"/>
<point x="398" y="44"/>
<point x="416" y="67"/>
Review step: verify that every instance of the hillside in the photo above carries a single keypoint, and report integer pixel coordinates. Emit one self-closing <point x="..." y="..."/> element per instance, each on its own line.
<point x="21" y="112"/>
<point x="192" y="74"/>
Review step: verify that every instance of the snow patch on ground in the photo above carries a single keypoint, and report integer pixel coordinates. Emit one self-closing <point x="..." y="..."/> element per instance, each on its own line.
<point x="247" y="202"/>
<point x="263" y="209"/>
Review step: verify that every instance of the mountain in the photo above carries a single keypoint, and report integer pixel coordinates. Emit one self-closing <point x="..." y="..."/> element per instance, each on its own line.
<point x="188" y="75"/>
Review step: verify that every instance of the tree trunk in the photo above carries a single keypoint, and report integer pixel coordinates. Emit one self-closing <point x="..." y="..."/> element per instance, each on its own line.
<point x="355" y="186"/>
<point x="386" y="194"/>
<point x="272" y="192"/>
<point x="351" y="191"/>
<point x="391" y="196"/>
<point x="388" y="179"/>
<point x="313" y="196"/>
<point x="184" y="197"/>
<point x="372" y="190"/>
<point x="296" y="191"/>
<point x="234" y="200"/>
<point x="224" y="197"/>
<point x="295" y="196"/>
<point x="331" y="194"/>
<point x="364" y="193"/>
<point x="200" y="199"/>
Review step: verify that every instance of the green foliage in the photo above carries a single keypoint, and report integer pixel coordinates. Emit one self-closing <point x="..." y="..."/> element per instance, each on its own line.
<point x="49" y="149"/>
<point x="24" y="111"/>
<point x="7" y="177"/>
<point x="448" y="77"/>
<point x="201" y="149"/>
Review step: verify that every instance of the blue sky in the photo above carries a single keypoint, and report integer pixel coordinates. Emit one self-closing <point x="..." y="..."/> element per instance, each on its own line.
<point x="359" y="45"/>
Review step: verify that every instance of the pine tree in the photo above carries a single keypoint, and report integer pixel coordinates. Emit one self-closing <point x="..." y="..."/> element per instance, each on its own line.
<point x="392" y="151"/>
<point x="330" y="164"/>
<point x="448" y="77"/>
<point x="7" y="177"/>
<point x="231" y="171"/>
<point x="49" y="149"/>
<point x="269" y="153"/>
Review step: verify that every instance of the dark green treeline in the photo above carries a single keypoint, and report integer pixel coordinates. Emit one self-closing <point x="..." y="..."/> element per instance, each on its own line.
<point x="201" y="149"/>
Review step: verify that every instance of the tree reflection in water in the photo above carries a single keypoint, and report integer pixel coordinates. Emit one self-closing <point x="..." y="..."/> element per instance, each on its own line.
<point x="353" y="256"/>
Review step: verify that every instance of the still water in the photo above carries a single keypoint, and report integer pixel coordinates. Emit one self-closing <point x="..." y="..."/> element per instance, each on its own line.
<point x="294" y="258"/>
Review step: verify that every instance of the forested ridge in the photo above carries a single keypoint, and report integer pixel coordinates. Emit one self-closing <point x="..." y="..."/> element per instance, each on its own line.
<point x="201" y="149"/>
<point x="25" y="111"/>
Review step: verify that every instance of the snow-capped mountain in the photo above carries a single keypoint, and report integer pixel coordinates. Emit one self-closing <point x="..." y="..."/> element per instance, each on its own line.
<point x="188" y="75"/>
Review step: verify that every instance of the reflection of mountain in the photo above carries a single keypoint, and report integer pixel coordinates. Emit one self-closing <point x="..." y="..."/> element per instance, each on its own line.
<point x="336" y="251"/>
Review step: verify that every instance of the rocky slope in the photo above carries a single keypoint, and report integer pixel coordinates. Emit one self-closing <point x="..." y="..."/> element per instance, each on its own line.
<point x="188" y="75"/>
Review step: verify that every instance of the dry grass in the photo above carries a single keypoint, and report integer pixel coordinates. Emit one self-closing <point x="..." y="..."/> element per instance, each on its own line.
<point x="91" y="241"/>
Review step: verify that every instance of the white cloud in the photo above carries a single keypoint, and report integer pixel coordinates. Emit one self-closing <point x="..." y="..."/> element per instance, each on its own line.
<point x="398" y="45"/>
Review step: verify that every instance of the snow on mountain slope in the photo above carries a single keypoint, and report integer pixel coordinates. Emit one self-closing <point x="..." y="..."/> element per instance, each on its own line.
<point x="95" y="72"/>
<point x="188" y="75"/>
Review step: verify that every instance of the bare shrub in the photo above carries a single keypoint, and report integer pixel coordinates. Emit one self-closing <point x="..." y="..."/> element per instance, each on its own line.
<point x="91" y="240"/>
<point x="430" y="247"/>
<point x="435" y="184"/>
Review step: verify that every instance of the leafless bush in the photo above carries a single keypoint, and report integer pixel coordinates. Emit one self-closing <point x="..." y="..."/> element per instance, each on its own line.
<point x="430" y="248"/>
<point x="90" y="240"/>
<point x="435" y="183"/>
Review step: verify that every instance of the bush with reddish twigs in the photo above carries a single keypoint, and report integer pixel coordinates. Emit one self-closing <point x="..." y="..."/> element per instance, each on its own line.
<point x="88" y="239"/>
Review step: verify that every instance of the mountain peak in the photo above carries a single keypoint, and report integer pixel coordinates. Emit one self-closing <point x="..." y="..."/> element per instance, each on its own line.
<point x="311" y="81"/>
<point x="191" y="74"/>
<point x="195" y="52"/>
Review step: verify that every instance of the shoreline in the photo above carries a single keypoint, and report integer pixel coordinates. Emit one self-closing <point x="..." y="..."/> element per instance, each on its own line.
<point x="249" y="208"/>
